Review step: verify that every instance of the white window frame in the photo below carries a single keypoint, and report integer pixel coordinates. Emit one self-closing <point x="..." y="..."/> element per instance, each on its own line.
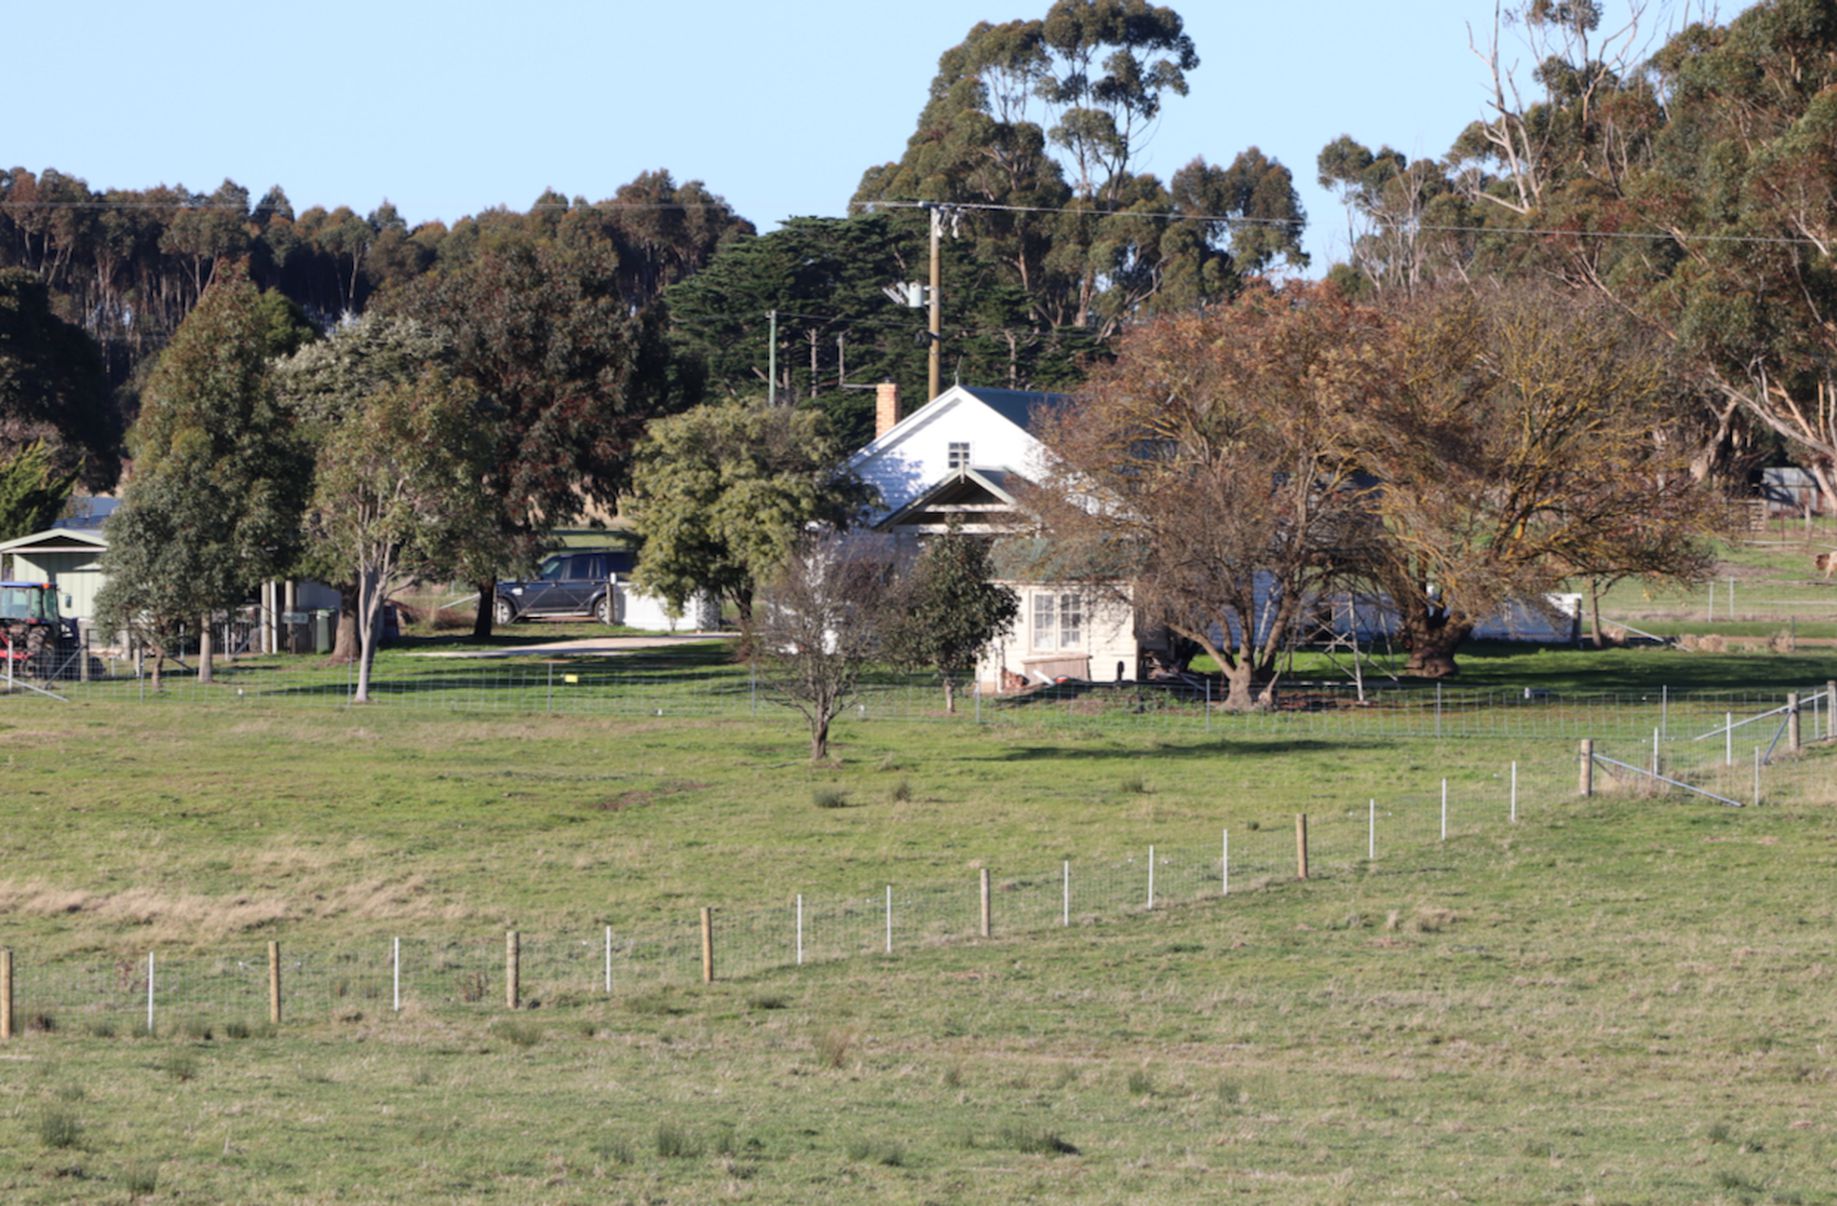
<point x="1051" y="632"/>
<point x="1071" y="621"/>
<point x="1045" y="635"/>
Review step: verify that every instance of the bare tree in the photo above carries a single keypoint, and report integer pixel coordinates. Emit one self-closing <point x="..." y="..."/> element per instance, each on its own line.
<point x="819" y="621"/>
<point x="1205" y="479"/>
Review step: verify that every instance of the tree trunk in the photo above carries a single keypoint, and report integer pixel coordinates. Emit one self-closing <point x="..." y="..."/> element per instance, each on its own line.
<point x="1594" y="612"/>
<point x="487" y="599"/>
<point x="344" y="641"/>
<point x="1239" y="682"/>
<point x="1432" y="638"/>
<point x="950" y="696"/>
<point x="367" y="651"/>
<point x="819" y="738"/>
<point x="369" y="612"/>
<point x="205" y="649"/>
<point x="159" y="655"/>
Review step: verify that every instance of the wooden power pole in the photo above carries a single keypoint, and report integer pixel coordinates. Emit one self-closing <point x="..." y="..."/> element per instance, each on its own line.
<point x="934" y="369"/>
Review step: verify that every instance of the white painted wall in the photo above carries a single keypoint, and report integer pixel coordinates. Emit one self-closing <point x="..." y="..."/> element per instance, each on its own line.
<point x="1108" y="637"/>
<point x="915" y="455"/>
<point x="635" y="610"/>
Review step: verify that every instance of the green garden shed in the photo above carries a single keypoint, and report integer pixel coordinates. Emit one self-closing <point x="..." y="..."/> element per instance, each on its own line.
<point x="71" y="558"/>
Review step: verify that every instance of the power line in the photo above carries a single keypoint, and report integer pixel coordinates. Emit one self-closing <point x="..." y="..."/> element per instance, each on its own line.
<point x="1298" y="223"/>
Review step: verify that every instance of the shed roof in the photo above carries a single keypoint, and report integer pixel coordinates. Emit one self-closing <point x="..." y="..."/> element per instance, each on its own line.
<point x="57" y="540"/>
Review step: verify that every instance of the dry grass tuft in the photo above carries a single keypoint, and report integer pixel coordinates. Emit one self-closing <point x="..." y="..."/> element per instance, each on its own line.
<point x="188" y="918"/>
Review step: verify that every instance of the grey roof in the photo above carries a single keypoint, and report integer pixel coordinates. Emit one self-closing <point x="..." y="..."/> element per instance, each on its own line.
<point x="1018" y="406"/>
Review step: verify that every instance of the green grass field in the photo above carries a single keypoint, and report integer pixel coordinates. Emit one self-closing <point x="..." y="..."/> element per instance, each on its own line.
<point x="1622" y="998"/>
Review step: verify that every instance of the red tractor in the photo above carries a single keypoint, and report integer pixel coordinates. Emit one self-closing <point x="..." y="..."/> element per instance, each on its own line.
<point x="32" y="634"/>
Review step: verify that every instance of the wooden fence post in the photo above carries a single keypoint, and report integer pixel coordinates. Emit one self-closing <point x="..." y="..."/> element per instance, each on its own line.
<point x="1588" y="766"/>
<point x="707" y="945"/>
<point x="985" y="903"/>
<point x="1301" y="845"/>
<point x="1792" y="721"/>
<point x="513" y="983"/>
<point x="1830" y="716"/>
<point x="6" y="994"/>
<point x="274" y="983"/>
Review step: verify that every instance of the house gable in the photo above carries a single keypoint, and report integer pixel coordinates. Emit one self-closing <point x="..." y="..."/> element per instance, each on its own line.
<point x="978" y="501"/>
<point x="989" y="428"/>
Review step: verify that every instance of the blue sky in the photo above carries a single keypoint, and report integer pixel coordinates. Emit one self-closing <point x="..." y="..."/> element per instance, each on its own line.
<point x="445" y="109"/>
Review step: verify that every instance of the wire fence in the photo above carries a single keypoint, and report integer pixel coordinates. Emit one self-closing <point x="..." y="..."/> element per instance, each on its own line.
<point x="194" y="992"/>
<point x="640" y="687"/>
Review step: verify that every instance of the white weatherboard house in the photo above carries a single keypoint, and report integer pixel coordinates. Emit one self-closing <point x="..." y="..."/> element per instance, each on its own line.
<point x="960" y="457"/>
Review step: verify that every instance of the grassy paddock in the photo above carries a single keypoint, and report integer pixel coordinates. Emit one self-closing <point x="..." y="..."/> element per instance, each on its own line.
<point x="1613" y="1001"/>
<point x="1619" y="999"/>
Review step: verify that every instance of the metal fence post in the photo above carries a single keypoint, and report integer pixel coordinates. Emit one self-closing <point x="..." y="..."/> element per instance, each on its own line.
<point x="274" y="983"/>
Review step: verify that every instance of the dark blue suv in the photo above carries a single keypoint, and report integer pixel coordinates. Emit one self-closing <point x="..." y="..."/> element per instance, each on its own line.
<point x="574" y="583"/>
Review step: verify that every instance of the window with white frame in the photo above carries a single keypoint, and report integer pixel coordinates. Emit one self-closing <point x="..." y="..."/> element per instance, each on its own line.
<point x="1058" y="621"/>
<point x="959" y="455"/>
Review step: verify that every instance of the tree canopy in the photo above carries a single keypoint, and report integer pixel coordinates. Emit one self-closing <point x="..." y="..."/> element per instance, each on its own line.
<point x="722" y="493"/>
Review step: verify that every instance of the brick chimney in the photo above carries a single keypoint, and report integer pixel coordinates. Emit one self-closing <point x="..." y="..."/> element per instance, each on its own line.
<point x="886" y="408"/>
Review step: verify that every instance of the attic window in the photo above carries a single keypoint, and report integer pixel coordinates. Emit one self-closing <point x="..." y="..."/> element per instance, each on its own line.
<point x="959" y="456"/>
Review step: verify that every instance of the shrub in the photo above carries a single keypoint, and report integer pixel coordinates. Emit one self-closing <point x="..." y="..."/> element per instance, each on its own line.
<point x="829" y="797"/>
<point x="902" y="791"/>
<point x="1140" y="1083"/>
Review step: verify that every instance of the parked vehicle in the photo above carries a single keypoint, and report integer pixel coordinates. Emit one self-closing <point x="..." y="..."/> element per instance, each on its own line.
<point x="32" y="633"/>
<point x="577" y="582"/>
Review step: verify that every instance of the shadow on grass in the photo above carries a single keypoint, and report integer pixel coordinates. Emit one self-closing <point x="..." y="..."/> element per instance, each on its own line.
<point x="1217" y="748"/>
<point x="1494" y="665"/>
